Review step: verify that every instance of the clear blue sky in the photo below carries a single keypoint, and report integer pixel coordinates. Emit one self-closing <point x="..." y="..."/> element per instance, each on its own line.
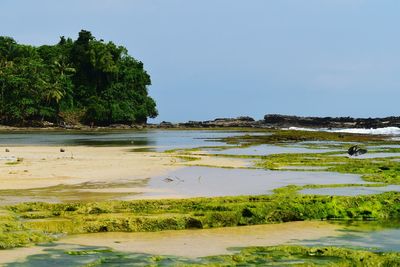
<point x="225" y="58"/>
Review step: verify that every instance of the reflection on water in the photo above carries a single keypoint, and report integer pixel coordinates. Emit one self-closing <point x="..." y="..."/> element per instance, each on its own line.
<point x="182" y="183"/>
<point x="377" y="236"/>
<point x="372" y="155"/>
<point x="205" y="181"/>
<point x="351" y="190"/>
<point x="159" y="139"/>
<point x="186" y="246"/>
<point x="178" y="243"/>
<point x="84" y="192"/>
<point x="263" y="150"/>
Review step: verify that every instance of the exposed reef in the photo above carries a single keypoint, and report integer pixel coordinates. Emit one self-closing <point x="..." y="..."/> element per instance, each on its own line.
<point x="285" y="121"/>
<point x="330" y="122"/>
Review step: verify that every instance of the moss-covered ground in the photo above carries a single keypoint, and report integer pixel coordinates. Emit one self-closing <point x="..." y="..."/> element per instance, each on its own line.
<point x="379" y="170"/>
<point x="251" y="256"/>
<point x="34" y="222"/>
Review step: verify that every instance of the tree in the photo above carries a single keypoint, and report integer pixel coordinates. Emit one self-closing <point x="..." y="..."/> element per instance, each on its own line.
<point x="98" y="80"/>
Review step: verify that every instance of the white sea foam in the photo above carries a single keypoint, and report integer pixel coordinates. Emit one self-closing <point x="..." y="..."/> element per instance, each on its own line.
<point x="304" y="129"/>
<point x="383" y="131"/>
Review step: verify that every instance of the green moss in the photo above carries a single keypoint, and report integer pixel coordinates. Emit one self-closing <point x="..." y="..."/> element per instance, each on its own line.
<point x="250" y="256"/>
<point x="379" y="170"/>
<point x="304" y="256"/>
<point x="18" y="161"/>
<point x="291" y="136"/>
<point x="188" y="158"/>
<point x="46" y="220"/>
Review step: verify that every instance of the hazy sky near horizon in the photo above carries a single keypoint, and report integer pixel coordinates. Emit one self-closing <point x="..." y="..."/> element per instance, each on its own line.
<point x="226" y="58"/>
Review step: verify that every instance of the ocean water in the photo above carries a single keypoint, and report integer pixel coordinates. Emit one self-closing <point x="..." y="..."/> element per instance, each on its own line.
<point x="394" y="131"/>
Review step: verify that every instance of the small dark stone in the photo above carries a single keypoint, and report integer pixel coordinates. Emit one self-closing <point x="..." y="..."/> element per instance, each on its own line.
<point x="356" y="151"/>
<point x="246" y="212"/>
<point x="193" y="223"/>
<point x="62" y="150"/>
<point x="7" y="150"/>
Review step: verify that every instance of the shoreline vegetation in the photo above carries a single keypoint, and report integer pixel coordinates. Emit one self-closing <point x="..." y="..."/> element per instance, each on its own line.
<point x="83" y="81"/>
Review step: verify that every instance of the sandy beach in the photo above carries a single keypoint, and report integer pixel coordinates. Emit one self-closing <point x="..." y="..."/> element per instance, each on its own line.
<point x="25" y="167"/>
<point x="43" y="166"/>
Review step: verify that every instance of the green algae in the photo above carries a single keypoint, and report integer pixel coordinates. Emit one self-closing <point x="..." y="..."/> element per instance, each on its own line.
<point x="49" y="220"/>
<point x="378" y="170"/>
<point x="294" y="136"/>
<point x="249" y="256"/>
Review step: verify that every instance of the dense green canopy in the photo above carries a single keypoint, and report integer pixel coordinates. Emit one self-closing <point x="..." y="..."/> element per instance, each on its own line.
<point x="86" y="80"/>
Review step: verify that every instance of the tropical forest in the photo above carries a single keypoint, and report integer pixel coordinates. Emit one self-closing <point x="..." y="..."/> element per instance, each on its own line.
<point x="85" y="81"/>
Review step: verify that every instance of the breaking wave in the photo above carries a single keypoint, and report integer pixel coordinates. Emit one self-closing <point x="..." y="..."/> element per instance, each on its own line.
<point x="380" y="131"/>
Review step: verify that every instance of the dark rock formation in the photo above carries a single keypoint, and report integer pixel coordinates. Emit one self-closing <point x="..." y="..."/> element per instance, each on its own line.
<point x="356" y="151"/>
<point x="276" y="120"/>
<point x="222" y="122"/>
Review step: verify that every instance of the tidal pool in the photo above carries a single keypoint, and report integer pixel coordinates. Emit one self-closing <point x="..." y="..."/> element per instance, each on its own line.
<point x="371" y="235"/>
<point x="263" y="150"/>
<point x="185" y="182"/>
<point x="209" y="182"/>
<point x="189" y="246"/>
<point x="350" y="190"/>
<point x="371" y="155"/>
<point x="178" y="243"/>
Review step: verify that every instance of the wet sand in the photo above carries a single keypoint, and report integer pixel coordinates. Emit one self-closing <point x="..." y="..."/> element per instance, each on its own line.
<point x="206" y="242"/>
<point x="44" y="166"/>
<point x="188" y="243"/>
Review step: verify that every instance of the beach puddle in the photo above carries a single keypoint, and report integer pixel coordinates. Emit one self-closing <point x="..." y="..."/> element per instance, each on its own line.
<point x="350" y="190"/>
<point x="264" y="150"/>
<point x="209" y="182"/>
<point x="372" y="235"/>
<point x="77" y="250"/>
<point x="86" y="192"/>
<point x="192" y="246"/>
<point x="185" y="182"/>
<point x="371" y="155"/>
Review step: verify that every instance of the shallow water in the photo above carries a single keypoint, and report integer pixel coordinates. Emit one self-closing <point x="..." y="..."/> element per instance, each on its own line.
<point x="75" y="192"/>
<point x="176" y="243"/>
<point x="206" y="181"/>
<point x="351" y="190"/>
<point x="377" y="236"/>
<point x="371" y="155"/>
<point x="185" y="246"/>
<point x="182" y="183"/>
<point x="156" y="140"/>
<point x="393" y="131"/>
<point x="263" y="150"/>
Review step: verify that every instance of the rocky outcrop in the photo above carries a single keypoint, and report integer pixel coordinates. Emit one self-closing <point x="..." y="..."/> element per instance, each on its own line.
<point x="277" y="120"/>
<point x="222" y="122"/>
<point x="219" y="122"/>
<point x="284" y="121"/>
